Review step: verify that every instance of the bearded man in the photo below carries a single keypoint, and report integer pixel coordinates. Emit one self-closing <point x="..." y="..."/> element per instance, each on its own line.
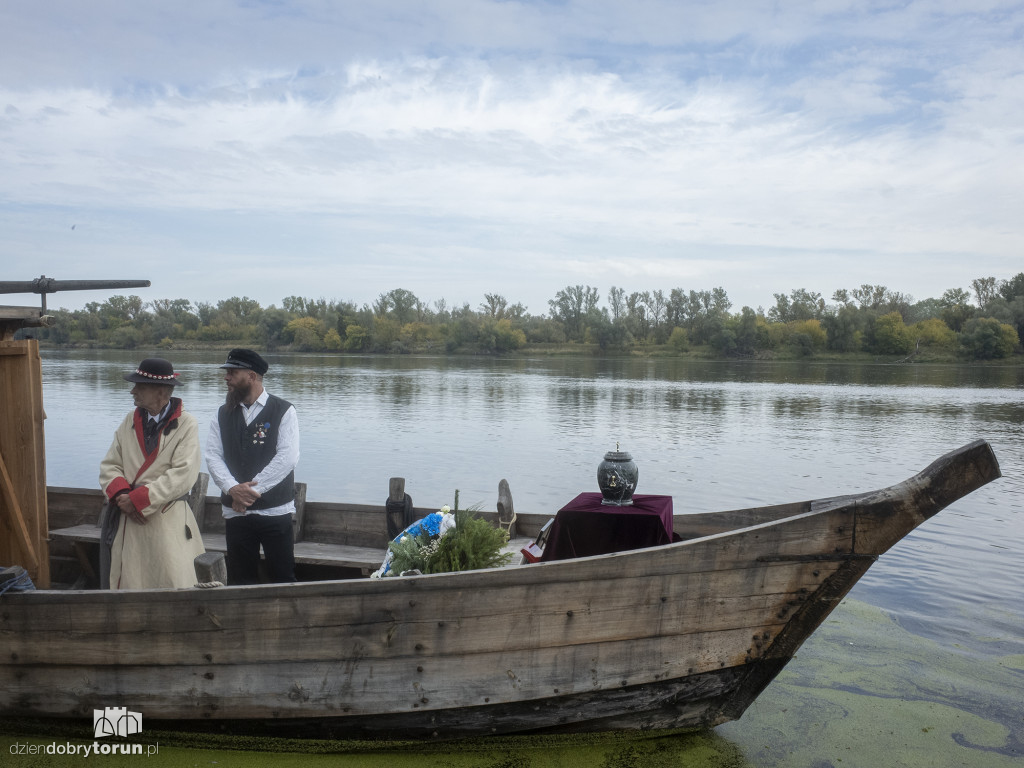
<point x="251" y="454"/>
<point x="150" y="536"/>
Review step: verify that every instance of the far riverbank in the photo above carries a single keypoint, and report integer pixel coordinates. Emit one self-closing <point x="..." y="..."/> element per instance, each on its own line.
<point x="702" y="353"/>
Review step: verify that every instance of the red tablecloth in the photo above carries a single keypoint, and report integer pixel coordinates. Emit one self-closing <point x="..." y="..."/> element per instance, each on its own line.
<point x="585" y="526"/>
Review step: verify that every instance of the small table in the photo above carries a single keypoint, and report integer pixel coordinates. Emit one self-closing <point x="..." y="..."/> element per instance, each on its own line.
<point x="586" y="527"/>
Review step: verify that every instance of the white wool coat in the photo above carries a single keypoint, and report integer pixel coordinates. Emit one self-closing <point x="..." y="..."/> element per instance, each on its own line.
<point x="159" y="553"/>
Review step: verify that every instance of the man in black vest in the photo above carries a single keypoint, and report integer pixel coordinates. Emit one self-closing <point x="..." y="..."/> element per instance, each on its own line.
<point x="251" y="454"/>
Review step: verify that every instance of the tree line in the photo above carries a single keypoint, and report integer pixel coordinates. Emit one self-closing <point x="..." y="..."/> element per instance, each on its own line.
<point x="984" y="323"/>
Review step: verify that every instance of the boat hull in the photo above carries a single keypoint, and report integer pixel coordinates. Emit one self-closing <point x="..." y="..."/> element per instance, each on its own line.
<point x="679" y="636"/>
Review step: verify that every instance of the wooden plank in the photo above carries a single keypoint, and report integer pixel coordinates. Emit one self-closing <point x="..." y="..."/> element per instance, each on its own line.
<point x="363" y="524"/>
<point x="70" y="507"/>
<point x="22" y="448"/>
<point x="325" y="522"/>
<point x="367" y="559"/>
<point x="14" y="519"/>
<point x="11" y="312"/>
<point x="351" y="684"/>
<point x="693" y="702"/>
<point x="88" y="533"/>
<point x="391" y="625"/>
<point x="360" y="525"/>
<point x="38" y="416"/>
<point x="387" y="641"/>
<point x="824" y="533"/>
<point x="314" y="553"/>
<point x="307" y="552"/>
<point x="693" y="526"/>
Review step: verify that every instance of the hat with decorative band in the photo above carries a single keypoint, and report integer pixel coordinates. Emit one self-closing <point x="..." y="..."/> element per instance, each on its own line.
<point x="246" y="358"/>
<point x="154" y="370"/>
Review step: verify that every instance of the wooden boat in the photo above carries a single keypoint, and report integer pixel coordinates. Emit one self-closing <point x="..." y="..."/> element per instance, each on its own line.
<point x="685" y="634"/>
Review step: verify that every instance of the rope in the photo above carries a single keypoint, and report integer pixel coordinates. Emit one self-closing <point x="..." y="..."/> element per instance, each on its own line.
<point x="20" y="583"/>
<point x="210" y="584"/>
<point x="508" y="526"/>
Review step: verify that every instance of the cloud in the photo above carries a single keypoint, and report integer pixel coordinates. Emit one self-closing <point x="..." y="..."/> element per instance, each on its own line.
<point x="462" y="147"/>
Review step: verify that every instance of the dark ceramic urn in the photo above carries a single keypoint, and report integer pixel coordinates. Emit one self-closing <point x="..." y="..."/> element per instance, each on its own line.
<point x="617" y="476"/>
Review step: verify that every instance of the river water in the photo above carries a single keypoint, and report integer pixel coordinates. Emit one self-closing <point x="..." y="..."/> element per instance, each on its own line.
<point x="923" y="664"/>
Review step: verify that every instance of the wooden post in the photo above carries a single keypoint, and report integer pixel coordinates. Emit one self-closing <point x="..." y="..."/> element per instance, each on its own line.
<point x="394" y="508"/>
<point x="197" y="499"/>
<point x="211" y="568"/>
<point x="506" y="512"/>
<point x="299" y="521"/>
<point x="396" y="489"/>
<point x="23" y="513"/>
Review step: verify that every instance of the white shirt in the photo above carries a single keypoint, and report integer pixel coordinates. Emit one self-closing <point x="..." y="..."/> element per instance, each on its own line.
<point x="284" y="461"/>
<point x="161" y="414"/>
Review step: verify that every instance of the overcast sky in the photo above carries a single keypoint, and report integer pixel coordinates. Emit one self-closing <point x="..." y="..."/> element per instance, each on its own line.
<point x="464" y="147"/>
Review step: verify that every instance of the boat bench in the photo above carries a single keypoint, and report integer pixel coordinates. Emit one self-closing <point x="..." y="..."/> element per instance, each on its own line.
<point x="365" y="559"/>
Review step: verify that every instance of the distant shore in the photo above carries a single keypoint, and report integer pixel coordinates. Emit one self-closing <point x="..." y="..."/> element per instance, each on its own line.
<point x="583" y="350"/>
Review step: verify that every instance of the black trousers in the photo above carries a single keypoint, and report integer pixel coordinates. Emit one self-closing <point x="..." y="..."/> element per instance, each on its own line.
<point x="244" y="535"/>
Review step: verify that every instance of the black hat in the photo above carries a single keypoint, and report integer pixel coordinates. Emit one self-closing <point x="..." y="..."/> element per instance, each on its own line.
<point x="246" y="358"/>
<point x="154" y="370"/>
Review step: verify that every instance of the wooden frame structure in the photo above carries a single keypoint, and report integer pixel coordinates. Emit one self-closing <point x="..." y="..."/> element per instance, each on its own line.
<point x="23" y="510"/>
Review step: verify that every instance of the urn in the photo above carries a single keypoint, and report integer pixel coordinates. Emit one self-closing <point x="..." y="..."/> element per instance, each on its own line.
<point x="616" y="477"/>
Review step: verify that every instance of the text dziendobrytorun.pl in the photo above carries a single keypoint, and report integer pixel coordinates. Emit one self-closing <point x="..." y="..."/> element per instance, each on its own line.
<point x="84" y="750"/>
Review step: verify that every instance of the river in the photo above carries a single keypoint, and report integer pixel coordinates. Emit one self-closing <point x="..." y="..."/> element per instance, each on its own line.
<point x="923" y="664"/>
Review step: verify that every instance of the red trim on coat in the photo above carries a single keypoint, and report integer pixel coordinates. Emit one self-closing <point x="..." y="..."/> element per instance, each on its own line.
<point x="150" y="458"/>
<point x="140" y="497"/>
<point x="117" y="485"/>
<point x="137" y="424"/>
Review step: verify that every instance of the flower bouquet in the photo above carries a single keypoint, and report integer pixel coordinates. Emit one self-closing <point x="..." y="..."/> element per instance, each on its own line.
<point x="445" y="541"/>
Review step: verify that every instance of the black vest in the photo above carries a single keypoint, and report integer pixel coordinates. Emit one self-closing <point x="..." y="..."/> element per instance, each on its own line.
<point x="249" y="448"/>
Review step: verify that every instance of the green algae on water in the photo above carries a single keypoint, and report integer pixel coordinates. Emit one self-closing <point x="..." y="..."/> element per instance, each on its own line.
<point x="864" y="692"/>
<point x="611" y="750"/>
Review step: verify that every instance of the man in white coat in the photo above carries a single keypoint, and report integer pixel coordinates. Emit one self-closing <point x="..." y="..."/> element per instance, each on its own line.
<point x="147" y="474"/>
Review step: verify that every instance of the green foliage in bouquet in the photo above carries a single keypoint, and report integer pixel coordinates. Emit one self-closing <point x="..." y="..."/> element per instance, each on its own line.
<point x="474" y="544"/>
<point x="412" y="553"/>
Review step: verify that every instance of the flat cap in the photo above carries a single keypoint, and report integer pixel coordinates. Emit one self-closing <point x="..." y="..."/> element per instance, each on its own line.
<point x="246" y="358"/>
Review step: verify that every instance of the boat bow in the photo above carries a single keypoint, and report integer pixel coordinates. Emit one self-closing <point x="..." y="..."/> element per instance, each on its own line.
<point x="886" y="516"/>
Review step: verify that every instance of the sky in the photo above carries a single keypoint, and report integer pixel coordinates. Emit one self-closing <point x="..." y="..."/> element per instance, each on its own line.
<point x="458" y="148"/>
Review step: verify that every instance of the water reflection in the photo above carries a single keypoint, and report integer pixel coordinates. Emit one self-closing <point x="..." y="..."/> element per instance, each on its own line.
<point x="712" y="435"/>
<point x="549" y="421"/>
